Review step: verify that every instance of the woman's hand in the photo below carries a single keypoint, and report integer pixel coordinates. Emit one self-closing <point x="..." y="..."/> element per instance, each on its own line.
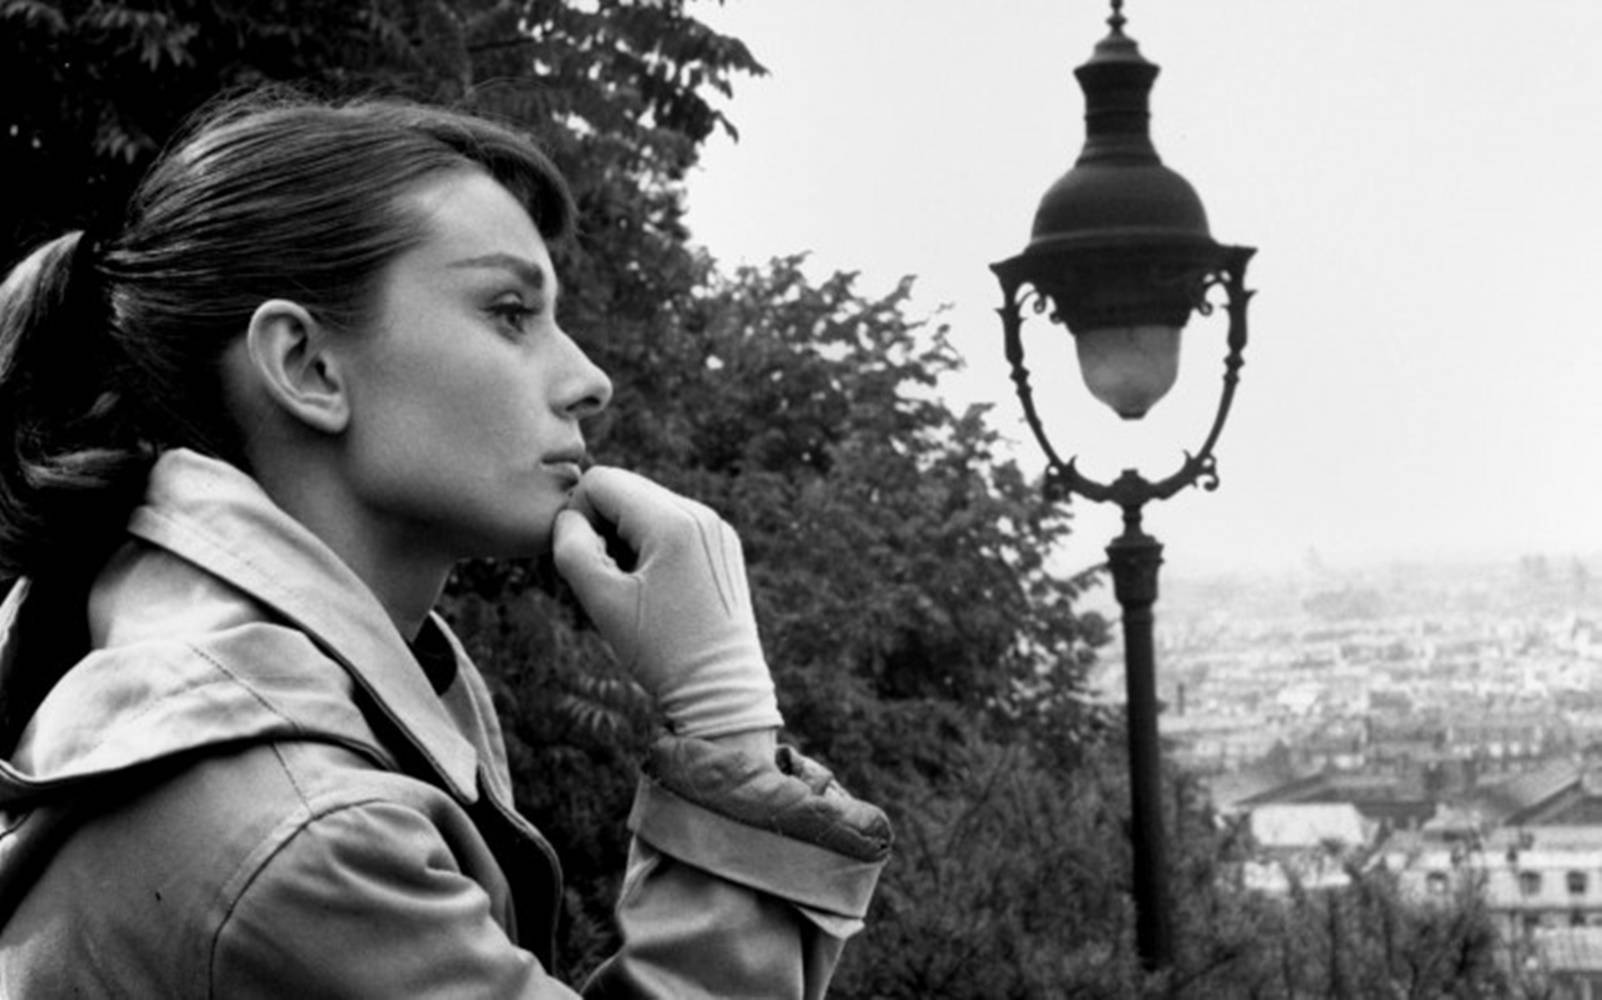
<point x="680" y="617"/>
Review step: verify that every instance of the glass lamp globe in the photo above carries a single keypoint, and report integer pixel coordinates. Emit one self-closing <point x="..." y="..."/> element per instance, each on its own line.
<point x="1129" y="367"/>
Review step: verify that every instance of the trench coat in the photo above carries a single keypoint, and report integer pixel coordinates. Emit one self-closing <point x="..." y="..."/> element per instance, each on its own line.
<point x="252" y="787"/>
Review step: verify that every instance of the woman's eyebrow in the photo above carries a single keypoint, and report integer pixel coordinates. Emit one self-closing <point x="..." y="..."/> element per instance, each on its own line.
<point x="524" y="270"/>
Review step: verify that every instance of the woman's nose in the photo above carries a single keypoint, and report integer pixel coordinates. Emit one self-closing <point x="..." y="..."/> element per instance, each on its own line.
<point x="585" y="388"/>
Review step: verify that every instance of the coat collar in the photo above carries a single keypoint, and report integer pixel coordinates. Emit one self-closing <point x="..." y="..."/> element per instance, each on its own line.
<point x="218" y="518"/>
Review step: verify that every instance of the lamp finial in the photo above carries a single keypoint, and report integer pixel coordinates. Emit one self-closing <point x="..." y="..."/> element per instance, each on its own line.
<point x="1117" y="21"/>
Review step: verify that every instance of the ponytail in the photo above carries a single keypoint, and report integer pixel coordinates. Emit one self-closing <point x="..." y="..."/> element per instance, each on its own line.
<point x="71" y="465"/>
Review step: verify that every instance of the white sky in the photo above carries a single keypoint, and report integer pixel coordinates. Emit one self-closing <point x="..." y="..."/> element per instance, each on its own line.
<point x="1423" y="182"/>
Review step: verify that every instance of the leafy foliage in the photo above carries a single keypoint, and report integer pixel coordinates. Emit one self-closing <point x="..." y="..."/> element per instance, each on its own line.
<point x="1363" y="941"/>
<point x="94" y="88"/>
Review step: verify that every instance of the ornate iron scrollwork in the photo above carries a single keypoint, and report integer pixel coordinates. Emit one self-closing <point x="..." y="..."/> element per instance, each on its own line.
<point x="1131" y="490"/>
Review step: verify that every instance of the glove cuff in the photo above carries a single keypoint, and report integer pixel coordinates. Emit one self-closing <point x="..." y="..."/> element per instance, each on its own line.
<point x="720" y="710"/>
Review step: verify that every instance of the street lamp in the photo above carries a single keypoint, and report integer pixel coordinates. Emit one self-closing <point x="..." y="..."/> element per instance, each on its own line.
<point x="1121" y="254"/>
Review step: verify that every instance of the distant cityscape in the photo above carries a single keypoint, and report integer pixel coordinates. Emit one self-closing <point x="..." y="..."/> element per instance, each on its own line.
<point x="1486" y="666"/>
<point x="1440" y="721"/>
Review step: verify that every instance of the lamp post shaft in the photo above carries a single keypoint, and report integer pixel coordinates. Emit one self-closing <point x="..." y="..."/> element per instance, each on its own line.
<point x="1134" y="558"/>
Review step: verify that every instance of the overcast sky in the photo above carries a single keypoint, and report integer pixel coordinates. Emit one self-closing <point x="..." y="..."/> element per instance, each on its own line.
<point x="1423" y="182"/>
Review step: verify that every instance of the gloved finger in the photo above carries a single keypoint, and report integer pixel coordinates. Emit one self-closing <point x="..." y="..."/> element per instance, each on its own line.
<point x="613" y="599"/>
<point x="605" y="493"/>
<point x="638" y="508"/>
<point x="579" y="553"/>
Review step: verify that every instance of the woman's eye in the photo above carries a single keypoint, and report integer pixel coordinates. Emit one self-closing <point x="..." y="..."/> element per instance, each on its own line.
<point x="515" y="315"/>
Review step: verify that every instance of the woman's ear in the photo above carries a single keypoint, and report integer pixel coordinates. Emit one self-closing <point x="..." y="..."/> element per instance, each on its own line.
<point x="289" y="353"/>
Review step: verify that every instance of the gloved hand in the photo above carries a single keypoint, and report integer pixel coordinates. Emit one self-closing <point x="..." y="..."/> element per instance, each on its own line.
<point x="680" y="618"/>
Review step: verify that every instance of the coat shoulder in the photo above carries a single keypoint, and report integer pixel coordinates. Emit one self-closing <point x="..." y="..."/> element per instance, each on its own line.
<point x="160" y="857"/>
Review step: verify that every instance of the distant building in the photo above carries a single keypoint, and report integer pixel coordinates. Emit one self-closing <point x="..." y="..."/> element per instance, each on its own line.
<point x="1554" y="793"/>
<point x="1308" y="846"/>
<point x="1392" y="802"/>
<point x="1540" y="885"/>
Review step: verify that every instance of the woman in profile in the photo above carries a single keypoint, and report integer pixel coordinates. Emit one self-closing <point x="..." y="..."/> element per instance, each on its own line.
<point x="250" y="434"/>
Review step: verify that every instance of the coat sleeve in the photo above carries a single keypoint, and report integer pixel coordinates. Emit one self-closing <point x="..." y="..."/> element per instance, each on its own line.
<point x="743" y="880"/>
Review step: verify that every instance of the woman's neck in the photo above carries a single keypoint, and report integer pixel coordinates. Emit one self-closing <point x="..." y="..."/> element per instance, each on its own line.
<point x="393" y="561"/>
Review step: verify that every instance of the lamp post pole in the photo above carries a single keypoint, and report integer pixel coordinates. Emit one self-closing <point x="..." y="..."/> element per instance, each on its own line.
<point x="1134" y="557"/>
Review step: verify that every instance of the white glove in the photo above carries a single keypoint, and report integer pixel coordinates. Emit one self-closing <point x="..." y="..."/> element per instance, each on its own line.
<point x="680" y="619"/>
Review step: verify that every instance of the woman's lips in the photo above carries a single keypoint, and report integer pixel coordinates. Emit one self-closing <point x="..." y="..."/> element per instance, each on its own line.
<point x="566" y="469"/>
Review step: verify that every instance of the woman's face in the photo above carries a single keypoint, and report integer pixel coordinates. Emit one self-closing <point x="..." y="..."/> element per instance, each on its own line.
<point x="466" y="396"/>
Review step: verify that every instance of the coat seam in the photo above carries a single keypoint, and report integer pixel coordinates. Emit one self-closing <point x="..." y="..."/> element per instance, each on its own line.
<point x="155" y="706"/>
<point x="263" y="702"/>
<point x="286" y="837"/>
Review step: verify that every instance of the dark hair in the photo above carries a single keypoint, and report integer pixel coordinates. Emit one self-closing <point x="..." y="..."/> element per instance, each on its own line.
<point x="109" y="347"/>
